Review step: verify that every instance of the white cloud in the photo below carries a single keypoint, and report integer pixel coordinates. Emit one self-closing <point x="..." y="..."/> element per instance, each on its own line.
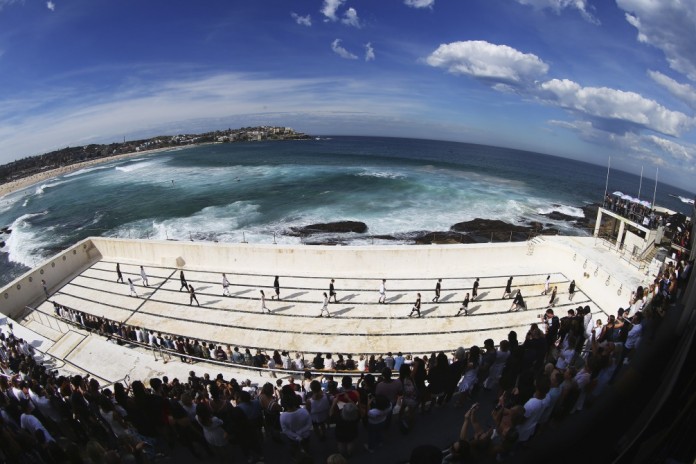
<point x="350" y="18"/>
<point x="658" y="150"/>
<point x="617" y="110"/>
<point x="669" y="26"/>
<point x="420" y="3"/>
<point x="557" y="5"/>
<point x="683" y="92"/>
<point x="51" y="6"/>
<point x="329" y="7"/>
<point x="342" y="52"/>
<point x="369" y="52"/>
<point x="497" y="64"/>
<point x="71" y="116"/>
<point x="302" y="20"/>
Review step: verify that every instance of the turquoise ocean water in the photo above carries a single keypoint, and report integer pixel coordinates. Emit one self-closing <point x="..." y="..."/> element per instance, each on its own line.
<point x="256" y="191"/>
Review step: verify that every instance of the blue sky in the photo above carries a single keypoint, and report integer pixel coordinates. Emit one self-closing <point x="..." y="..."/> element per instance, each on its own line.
<point x="585" y="79"/>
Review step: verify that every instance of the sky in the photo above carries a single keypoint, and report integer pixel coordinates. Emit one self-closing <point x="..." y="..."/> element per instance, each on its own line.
<point x="583" y="79"/>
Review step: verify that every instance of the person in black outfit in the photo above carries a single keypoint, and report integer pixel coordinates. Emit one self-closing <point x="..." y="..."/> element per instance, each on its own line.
<point x="553" y="324"/>
<point x="184" y="284"/>
<point x="437" y="290"/>
<point x="332" y="292"/>
<point x="474" y="290"/>
<point x="119" y="276"/>
<point x="416" y="307"/>
<point x="276" y="286"/>
<point x="508" y="289"/>
<point x="192" y="296"/>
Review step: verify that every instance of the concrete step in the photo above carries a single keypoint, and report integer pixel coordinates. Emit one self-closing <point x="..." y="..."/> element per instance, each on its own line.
<point x="67" y="343"/>
<point x="52" y="333"/>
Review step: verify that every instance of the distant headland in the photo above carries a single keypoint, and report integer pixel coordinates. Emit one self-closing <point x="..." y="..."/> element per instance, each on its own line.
<point x="56" y="159"/>
<point x="28" y="171"/>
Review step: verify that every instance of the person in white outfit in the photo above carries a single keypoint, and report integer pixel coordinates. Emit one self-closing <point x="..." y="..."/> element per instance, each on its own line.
<point x="383" y="292"/>
<point x="132" y="288"/>
<point x="546" y="285"/>
<point x="325" y="307"/>
<point x="263" y="303"/>
<point x="144" y="276"/>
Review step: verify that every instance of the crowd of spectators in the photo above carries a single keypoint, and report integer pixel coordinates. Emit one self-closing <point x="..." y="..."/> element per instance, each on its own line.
<point x="560" y="367"/>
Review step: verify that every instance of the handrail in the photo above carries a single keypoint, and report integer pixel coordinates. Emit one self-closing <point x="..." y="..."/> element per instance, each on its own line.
<point x="648" y="248"/>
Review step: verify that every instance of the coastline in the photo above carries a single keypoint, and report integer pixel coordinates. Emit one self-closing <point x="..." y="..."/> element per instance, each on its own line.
<point x="19" y="184"/>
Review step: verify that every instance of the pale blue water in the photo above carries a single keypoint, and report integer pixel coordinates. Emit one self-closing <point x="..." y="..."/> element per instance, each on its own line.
<point x="252" y="191"/>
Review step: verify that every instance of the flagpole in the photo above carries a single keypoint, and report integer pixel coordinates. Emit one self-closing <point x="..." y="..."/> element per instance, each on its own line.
<point x="657" y="170"/>
<point x="640" y="185"/>
<point x="606" y="185"/>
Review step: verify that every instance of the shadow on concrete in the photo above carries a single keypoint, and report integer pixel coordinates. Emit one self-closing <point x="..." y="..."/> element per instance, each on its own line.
<point x="395" y="297"/>
<point x="295" y="295"/>
<point x="425" y="312"/>
<point x="473" y="309"/>
<point x="341" y="312"/>
<point x="347" y="297"/>
<point x="282" y="308"/>
<point x="447" y="297"/>
<point x="242" y="292"/>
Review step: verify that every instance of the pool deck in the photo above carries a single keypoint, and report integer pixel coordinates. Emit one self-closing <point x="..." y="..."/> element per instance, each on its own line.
<point x="359" y="325"/>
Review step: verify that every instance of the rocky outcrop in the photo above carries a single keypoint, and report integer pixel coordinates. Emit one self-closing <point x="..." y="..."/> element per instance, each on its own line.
<point x="443" y="238"/>
<point x="485" y="230"/>
<point x="340" y="227"/>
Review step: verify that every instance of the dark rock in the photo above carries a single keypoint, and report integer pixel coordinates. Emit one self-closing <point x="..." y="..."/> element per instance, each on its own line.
<point x="447" y="237"/>
<point x="485" y="230"/>
<point x="340" y="227"/>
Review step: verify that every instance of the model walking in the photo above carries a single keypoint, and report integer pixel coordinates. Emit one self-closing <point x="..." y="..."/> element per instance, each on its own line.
<point x="464" y="307"/>
<point x="184" y="284"/>
<point x="332" y="291"/>
<point x="547" y="283"/>
<point x="119" y="276"/>
<point x="144" y="276"/>
<point x="508" y="289"/>
<point x="132" y="288"/>
<point x="192" y="296"/>
<point x="263" y="303"/>
<point x="474" y="290"/>
<point x="438" y="288"/>
<point x="571" y="290"/>
<point x="518" y="302"/>
<point x="225" y="285"/>
<point x="325" y="307"/>
<point x="416" y="306"/>
<point x="276" y="286"/>
<point x="553" y="296"/>
<point x="383" y="292"/>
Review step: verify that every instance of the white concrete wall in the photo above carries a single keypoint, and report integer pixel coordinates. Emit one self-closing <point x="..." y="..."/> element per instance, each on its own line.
<point x="600" y="282"/>
<point x="56" y="271"/>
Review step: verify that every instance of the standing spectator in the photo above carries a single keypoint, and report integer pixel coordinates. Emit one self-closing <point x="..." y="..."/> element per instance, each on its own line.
<point x="295" y="423"/>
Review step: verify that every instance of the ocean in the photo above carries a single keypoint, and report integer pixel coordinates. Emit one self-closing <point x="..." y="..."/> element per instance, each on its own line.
<point x="257" y="191"/>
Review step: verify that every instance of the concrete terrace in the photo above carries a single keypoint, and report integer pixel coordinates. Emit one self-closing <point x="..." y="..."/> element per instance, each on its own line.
<point x="359" y="325"/>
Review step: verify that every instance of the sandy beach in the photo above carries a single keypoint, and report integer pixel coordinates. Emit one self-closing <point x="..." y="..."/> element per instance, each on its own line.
<point x="10" y="187"/>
